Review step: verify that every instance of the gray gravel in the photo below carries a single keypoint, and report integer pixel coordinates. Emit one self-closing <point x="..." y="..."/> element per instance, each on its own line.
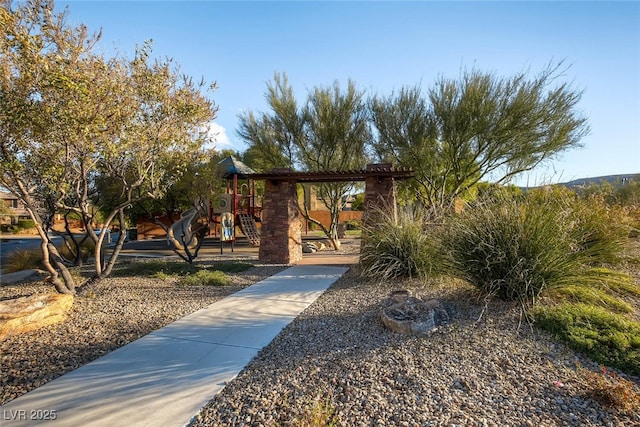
<point x="485" y="367"/>
<point x="122" y="310"/>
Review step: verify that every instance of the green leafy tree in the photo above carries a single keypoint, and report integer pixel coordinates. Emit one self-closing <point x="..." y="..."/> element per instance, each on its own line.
<point x="69" y="117"/>
<point x="162" y="135"/>
<point x="330" y="131"/>
<point x="37" y="52"/>
<point x="480" y="126"/>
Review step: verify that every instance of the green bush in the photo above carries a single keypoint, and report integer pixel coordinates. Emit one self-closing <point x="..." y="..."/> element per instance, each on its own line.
<point x="608" y="338"/>
<point x="206" y="278"/>
<point x="516" y="247"/>
<point x="25" y="224"/>
<point x="400" y="247"/>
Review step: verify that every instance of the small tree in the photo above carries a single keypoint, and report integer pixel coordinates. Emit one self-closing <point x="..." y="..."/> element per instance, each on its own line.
<point x="37" y="52"/>
<point x="329" y="132"/>
<point x="68" y="117"/>
<point x="480" y="126"/>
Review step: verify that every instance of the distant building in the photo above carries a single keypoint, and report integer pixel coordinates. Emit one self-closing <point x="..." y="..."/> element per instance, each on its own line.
<point x="13" y="209"/>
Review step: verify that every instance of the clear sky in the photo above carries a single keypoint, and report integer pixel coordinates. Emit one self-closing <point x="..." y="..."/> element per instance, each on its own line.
<point x="383" y="46"/>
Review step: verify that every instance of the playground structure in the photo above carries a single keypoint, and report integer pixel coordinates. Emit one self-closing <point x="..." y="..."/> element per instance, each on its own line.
<point x="239" y="202"/>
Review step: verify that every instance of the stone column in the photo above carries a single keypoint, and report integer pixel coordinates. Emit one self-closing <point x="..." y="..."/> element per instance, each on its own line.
<point x="281" y="235"/>
<point x="380" y="194"/>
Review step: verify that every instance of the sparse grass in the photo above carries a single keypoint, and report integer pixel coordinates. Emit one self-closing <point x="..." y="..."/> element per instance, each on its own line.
<point x="192" y="274"/>
<point x="206" y="278"/>
<point x="320" y="412"/>
<point x="610" y="390"/>
<point x="232" y="267"/>
<point x="23" y="259"/>
<point x="156" y="268"/>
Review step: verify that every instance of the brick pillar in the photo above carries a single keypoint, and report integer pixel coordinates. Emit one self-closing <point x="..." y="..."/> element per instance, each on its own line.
<point x="281" y="235"/>
<point x="380" y="193"/>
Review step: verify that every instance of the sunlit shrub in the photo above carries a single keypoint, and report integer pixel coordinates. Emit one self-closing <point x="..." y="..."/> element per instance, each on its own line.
<point x="400" y="246"/>
<point x="608" y="338"/>
<point x="23" y="259"/>
<point x="516" y="247"/>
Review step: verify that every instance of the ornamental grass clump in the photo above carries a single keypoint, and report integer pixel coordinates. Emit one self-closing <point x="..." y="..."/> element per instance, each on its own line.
<point x="399" y="246"/>
<point x="23" y="259"/>
<point x="517" y="247"/>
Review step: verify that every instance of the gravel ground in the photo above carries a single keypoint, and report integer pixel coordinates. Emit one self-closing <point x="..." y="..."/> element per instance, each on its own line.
<point x="485" y="367"/>
<point x="122" y="310"/>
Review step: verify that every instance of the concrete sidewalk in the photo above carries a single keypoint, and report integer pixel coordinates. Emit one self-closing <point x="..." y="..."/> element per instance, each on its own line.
<point x="166" y="377"/>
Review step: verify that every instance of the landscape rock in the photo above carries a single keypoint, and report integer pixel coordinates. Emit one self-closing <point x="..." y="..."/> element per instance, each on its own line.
<point x="33" y="312"/>
<point x="408" y="315"/>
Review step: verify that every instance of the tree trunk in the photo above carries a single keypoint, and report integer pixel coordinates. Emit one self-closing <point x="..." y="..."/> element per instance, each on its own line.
<point x="116" y="250"/>
<point x="66" y="284"/>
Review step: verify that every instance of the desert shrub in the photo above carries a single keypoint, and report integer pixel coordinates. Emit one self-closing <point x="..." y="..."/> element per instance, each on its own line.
<point x="608" y="338"/>
<point x="516" y="247"/>
<point x="509" y="249"/>
<point x="21" y="225"/>
<point x="206" y="278"/>
<point x="600" y="231"/>
<point x="402" y="246"/>
<point x="353" y="224"/>
<point x="87" y="249"/>
<point x="23" y="259"/>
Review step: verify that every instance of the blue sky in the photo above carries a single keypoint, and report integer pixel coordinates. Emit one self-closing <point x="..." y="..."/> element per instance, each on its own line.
<point x="383" y="46"/>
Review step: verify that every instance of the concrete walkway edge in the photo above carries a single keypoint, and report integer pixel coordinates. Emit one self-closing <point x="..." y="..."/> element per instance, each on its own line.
<point x="166" y="377"/>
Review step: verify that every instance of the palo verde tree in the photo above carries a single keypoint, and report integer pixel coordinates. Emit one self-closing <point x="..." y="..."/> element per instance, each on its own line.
<point x="69" y="116"/>
<point x="480" y="126"/>
<point x="330" y="131"/>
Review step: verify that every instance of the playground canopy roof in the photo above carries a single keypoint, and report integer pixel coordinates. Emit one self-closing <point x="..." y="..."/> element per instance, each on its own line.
<point x="233" y="166"/>
<point x="374" y="170"/>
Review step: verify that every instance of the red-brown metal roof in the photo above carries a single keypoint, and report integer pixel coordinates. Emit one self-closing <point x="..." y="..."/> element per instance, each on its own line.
<point x="383" y="170"/>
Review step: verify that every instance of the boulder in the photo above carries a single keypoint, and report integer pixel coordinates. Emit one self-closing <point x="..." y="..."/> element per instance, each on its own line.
<point x="25" y="314"/>
<point x="408" y="315"/>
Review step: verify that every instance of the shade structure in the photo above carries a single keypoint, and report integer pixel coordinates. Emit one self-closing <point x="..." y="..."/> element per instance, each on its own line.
<point x="232" y="166"/>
